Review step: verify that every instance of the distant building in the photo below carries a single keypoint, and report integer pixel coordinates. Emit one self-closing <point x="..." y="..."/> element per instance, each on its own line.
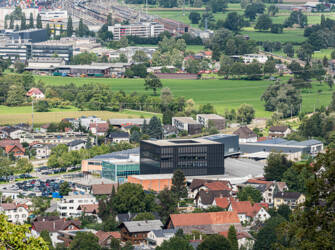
<point x="215" y="120"/>
<point x="16" y="213"/>
<point x="192" y="156"/>
<point x="156" y="237"/>
<point x="157" y="182"/>
<point x="68" y="205"/>
<point x="248" y="212"/>
<point x="118" y="171"/>
<point x="231" y="143"/>
<point x="292" y="199"/>
<point x="173" y="26"/>
<point x="35" y="93"/>
<point x="246" y="135"/>
<point x="51" y="49"/>
<point x="249" y="58"/>
<point x="279" y="131"/>
<point x="187" y="124"/>
<point x="99" y="128"/>
<point x="31" y="35"/>
<point x="117" y="136"/>
<point x="145" y="30"/>
<point x="76" y="145"/>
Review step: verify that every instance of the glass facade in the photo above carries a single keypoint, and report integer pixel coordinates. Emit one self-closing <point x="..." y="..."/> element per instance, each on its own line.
<point x="196" y="159"/>
<point x="119" y="172"/>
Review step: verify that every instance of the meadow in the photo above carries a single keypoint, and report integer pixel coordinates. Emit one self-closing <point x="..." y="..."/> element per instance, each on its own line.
<point x="223" y="94"/>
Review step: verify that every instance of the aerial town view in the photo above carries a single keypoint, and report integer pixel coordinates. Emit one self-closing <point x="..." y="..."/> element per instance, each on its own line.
<point x="167" y="124"/>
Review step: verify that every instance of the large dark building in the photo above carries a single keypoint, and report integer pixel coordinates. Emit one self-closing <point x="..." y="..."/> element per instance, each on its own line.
<point x="231" y="144"/>
<point x="31" y="35"/>
<point x="192" y="156"/>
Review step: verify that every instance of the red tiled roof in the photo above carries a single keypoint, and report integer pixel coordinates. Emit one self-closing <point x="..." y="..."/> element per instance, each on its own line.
<point x="223" y="202"/>
<point x="35" y="91"/>
<point x="245" y="207"/>
<point x="100" y="127"/>
<point x="8" y="206"/>
<point x="10" y="148"/>
<point x="225" y="234"/>
<point x="257" y="181"/>
<point x="54" y="226"/>
<point x="213" y="218"/>
<point x="218" y="185"/>
<point x="103" y="236"/>
<point x="89" y="208"/>
<point x="6" y="142"/>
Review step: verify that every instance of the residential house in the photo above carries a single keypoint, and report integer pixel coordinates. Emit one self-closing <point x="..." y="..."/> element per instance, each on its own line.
<point x="137" y="231"/>
<point x="16" y="213"/>
<point x="169" y="130"/>
<point x="13" y="132"/>
<point x="214" y="120"/>
<point x="206" y="223"/>
<point x="155" y="238"/>
<point x="117" y="137"/>
<point x="12" y="146"/>
<point x="279" y="131"/>
<point x="68" y="205"/>
<point x="89" y="210"/>
<point x="42" y="150"/>
<point x="223" y="202"/>
<point x="54" y="226"/>
<point x="204" y="184"/>
<point x="187" y="124"/>
<point x="245" y="135"/>
<point x="205" y="199"/>
<point x="249" y="58"/>
<point x="248" y="212"/>
<point x="244" y="239"/>
<point x="86" y="121"/>
<point x="267" y="188"/>
<point x="76" y="145"/>
<point x="103" y="189"/>
<point x="99" y="129"/>
<point x="35" y="93"/>
<point x="292" y="199"/>
<point x="105" y="238"/>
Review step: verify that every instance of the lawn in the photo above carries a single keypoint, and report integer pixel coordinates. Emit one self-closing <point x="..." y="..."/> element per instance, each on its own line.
<point x="13" y="115"/>
<point x="221" y="93"/>
<point x="289" y="35"/>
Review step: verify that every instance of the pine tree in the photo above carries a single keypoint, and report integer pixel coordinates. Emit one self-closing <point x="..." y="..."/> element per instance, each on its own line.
<point x="145" y="128"/>
<point x="81" y="31"/>
<point x="179" y="184"/>
<point x="39" y="21"/>
<point x="31" y="21"/>
<point x="232" y="237"/>
<point x="61" y="30"/>
<point x="88" y="143"/>
<point x="109" y="20"/>
<point x="48" y="31"/>
<point x="11" y="22"/>
<point x="155" y="128"/>
<point x="54" y="31"/>
<point x="69" y="29"/>
<point x="23" y="22"/>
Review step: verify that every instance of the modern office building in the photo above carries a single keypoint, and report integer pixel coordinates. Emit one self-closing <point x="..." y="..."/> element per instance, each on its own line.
<point x="211" y="120"/>
<point x="136" y="29"/>
<point x="46" y="49"/>
<point x="187" y="124"/>
<point x="192" y="156"/>
<point x="231" y="144"/>
<point x="119" y="171"/>
<point x="15" y="51"/>
<point x="31" y="35"/>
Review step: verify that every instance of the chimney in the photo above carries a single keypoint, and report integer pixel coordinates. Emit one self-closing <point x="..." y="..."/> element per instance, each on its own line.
<point x="54" y="225"/>
<point x="200" y="236"/>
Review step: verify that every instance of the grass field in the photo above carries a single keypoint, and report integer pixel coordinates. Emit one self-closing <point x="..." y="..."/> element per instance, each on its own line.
<point x="13" y="115"/>
<point x="289" y="35"/>
<point x="221" y="93"/>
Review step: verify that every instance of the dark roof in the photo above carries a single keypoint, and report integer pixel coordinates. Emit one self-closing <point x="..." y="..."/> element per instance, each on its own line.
<point x="245" y="132"/>
<point x="75" y="143"/>
<point x="281" y="128"/>
<point x="46" y="218"/>
<point x="197" y="183"/>
<point x="54" y="226"/>
<point x="118" y="134"/>
<point x="288" y="195"/>
<point x="207" y="198"/>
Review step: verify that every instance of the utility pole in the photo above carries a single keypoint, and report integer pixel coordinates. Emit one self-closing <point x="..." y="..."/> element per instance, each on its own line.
<point x="32" y="115"/>
<point x="184" y="8"/>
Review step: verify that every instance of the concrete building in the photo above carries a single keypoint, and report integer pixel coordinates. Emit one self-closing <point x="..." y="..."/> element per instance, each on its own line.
<point x="117" y="137"/>
<point x="68" y="205"/>
<point x="231" y="143"/>
<point x="136" y="29"/>
<point x="31" y="35"/>
<point x="211" y="119"/>
<point x="51" y="49"/>
<point x="192" y="156"/>
<point x="16" y="213"/>
<point x="15" y="51"/>
<point x="249" y="58"/>
<point x="156" y="237"/>
<point x="187" y="124"/>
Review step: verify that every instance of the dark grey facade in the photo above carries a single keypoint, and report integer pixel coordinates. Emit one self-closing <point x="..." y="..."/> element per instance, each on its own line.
<point x="192" y="156"/>
<point x="231" y="143"/>
<point x="52" y="50"/>
<point x="31" y="35"/>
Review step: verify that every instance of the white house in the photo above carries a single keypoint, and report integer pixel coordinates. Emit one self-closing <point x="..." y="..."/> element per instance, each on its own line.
<point x="86" y="121"/>
<point x="117" y="136"/>
<point x="245" y="135"/>
<point x="76" y="145"/>
<point x="157" y="237"/>
<point x="279" y="131"/>
<point x="68" y="205"/>
<point x="36" y="94"/>
<point x="249" y="58"/>
<point x="249" y="213"/>
<point x="16" y="213"/>
<point x="43" y="150"/>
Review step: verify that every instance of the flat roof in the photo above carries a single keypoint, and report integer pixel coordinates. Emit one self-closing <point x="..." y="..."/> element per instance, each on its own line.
<point x="211" y="116"/>
<point x="181" y="142"/>
<point x="153" y="176"/>
<point x="186" y="120"/>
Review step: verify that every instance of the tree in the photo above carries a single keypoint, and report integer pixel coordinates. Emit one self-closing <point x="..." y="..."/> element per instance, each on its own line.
<point x="233" y="22"/>
<point x="232" y="237"/>
<point x="64" y="188"/>
<point x="179" y="184"/>
<point x="135" y="137"/>
<point x="175" y="242"/>
<point x="16" y="95"/>
<point x="85" y="241"/>
<point x="38" y="21"/>
<point x="245" y="113"/>
<point x="192" y="66"/>
<point x="140" y="57"/>
<point x="23" y="166"/>
<point x="218" y="5"/>
<point x="277" y="28"/>
<point x="167" y="204"/>
<point x="250" y="193"/>
<point x="115" y="244"/>
<point x="194" y="17"/>
<point x="267" y="236"/>
<point x="215" y="242"/>
<point x="131" y="198"/>
<point x="144" y="216"/>
<point x="155" y="128"/>
<point x="273" y="10"/>
<point x="305" y="52"/>
<point x="23" y="22"/>
<point x="42" y="106"/>
<point x="46" y="237"/>
<point x="206" y="109"/>
<point x="153" y="82"/>
<point x="104" y="34"/>
<point x="277" y="164"/>
<point x="69" y="28"/>
<point x="264" y="22"/>
<point x="285" y="211"/>
<point x="269" y="67"/>
<point x="332" y="103"/>
<point x="81" y="29"/>
<point x="17" y="236"/>
<point x="289" y="49"/>
<point x="31" y="21"/>
<point x="48" y="30"/>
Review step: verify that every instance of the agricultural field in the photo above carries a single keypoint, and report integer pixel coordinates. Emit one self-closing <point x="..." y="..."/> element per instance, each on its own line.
<point x="222" y="94"/>
<point x="14" y="115"/>
<point x="288" y="35"/>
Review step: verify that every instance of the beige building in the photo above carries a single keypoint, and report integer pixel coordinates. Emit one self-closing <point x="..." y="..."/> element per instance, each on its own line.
<point x="292" y="199"/>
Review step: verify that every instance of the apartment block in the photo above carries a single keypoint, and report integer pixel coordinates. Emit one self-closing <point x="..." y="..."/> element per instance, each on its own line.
<point x="211" y="120"/>
<point x="136" y="29"/>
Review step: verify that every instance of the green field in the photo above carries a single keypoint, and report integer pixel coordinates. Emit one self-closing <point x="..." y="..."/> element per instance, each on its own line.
<point x="289" y="35"/>
<point x="221" y="93"/>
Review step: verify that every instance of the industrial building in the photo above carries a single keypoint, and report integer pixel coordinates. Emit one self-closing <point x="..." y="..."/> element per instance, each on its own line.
<point x="136" y="29"/>
<point x="231" y="143"/>
<point x="15" y="51"/>
<point x="192" y="156"/>
<point x="29" y="35"/>
<point x="46" y="49"/>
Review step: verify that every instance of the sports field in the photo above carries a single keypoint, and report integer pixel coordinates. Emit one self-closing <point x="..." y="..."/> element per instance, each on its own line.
<point x="221" y="93"/>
